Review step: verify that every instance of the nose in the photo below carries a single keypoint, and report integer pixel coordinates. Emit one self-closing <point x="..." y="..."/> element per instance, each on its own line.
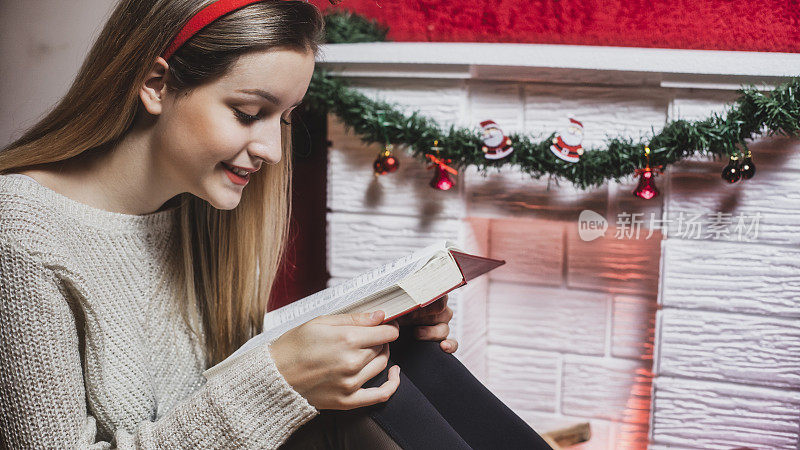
<point x="267" y="146"/>
<point x="269" y="153"/>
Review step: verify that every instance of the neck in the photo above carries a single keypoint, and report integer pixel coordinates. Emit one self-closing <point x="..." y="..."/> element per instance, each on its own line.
<point x="125" y="178"/>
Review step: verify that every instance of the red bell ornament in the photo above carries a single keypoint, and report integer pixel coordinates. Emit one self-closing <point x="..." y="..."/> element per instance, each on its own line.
<point x="441" y="179"/>
<point x="646" y="188"/>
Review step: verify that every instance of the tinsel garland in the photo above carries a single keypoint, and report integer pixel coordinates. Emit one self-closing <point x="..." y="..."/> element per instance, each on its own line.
<point x="344" y="27"/>
<point x="375" y="121"/>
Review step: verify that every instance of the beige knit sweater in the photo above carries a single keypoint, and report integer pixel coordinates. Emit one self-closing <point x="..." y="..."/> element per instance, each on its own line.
<point x="93" y="352"/>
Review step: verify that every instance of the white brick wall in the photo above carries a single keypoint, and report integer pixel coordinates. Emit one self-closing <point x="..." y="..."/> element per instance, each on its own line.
<point x="570" y="331"/>
<point x="711" y="415"/>
<point x="727" y="354"/>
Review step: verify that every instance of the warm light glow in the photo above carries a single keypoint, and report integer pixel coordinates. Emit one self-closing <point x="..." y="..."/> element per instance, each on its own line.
<point x="647" y="195"/>
<point x="444" y="184"/>
<point x="441" y="178"/>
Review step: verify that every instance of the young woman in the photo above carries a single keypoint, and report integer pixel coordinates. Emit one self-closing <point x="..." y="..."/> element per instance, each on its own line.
<point x="142" y="222"/>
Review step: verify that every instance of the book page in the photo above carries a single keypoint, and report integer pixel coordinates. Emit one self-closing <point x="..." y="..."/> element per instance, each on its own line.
<point x="439" y="275"/>
<point x="342" y="296"/>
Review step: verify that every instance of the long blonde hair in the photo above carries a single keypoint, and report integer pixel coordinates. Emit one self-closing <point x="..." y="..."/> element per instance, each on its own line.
<point x="232" y="256"/>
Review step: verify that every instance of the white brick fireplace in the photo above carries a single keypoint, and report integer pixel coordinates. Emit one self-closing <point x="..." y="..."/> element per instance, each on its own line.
<point x="665" y="340"/>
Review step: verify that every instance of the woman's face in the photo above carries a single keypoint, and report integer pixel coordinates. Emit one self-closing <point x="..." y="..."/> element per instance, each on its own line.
<point x="234" y="121"/>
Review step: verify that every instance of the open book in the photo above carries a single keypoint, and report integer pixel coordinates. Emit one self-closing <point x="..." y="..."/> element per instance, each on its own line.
<point x="397" y="288"/>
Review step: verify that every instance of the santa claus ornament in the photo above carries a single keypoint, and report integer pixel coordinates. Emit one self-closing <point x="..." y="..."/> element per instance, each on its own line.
<point x="495" y="143"/>
<point x="567" y="143"/>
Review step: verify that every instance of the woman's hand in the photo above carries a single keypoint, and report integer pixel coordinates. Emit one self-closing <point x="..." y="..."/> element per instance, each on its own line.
<point x="328" y="359"/>
<point x="433" y="323"/>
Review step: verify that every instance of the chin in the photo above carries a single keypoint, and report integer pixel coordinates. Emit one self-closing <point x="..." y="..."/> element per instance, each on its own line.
<point x="226" y="202"/>
<point x="228" y="205"/>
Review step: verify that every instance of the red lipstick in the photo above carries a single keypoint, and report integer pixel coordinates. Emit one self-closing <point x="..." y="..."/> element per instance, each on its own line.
<point x="235" y="179"/>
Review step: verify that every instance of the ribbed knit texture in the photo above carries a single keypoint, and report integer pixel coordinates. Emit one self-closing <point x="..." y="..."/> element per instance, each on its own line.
<point x="93" y="351"/>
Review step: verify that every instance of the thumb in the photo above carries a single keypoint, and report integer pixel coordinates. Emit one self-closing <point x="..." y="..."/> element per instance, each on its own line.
<point x="368" y="318"/>
<point x="358" y="319"/>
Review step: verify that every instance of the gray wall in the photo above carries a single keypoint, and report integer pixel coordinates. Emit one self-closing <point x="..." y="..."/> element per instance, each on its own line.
<point x="42" y="45"/>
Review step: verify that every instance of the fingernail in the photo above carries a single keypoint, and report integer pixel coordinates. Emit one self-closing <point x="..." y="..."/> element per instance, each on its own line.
<point x="376" y="315"/>
<point x="447" y="346"/>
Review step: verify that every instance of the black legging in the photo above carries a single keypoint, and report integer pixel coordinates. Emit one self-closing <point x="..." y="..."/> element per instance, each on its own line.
<point x="441" y="405"/>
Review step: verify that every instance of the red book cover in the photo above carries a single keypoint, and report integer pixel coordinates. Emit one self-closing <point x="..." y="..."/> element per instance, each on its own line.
<point x="471" y="267"/>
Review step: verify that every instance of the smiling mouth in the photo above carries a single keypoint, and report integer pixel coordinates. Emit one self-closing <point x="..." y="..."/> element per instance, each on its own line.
<point x="235" y="177"/>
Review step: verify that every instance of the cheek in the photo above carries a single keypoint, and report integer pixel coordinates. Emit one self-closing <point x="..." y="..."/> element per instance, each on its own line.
<point x="202" y="137"/>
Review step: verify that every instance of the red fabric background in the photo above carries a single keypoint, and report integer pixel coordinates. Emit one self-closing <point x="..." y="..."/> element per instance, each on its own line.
<point x="752" y="25"/>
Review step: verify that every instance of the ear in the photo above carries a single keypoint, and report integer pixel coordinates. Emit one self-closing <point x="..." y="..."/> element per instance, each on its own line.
<point x="154" y="87"/>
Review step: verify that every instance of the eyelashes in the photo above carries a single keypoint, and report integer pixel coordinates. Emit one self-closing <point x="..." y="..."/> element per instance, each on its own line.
<point x="247" y="119"/>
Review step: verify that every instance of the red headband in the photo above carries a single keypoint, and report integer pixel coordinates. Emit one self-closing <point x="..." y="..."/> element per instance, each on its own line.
<point x="204" y="17"/>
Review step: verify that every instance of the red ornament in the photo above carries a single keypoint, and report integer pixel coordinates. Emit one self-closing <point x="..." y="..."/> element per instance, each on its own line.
<point x="441" y="179"/>
<point x="385" y="162"/>
<point x="736" y="170"/>
<point x="747" y="169"/>
<point x="647" y="186"/>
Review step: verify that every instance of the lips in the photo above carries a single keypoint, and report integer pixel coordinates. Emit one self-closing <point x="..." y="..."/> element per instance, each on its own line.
<point x="236" y="179"/>
<point x="240" y="169"/>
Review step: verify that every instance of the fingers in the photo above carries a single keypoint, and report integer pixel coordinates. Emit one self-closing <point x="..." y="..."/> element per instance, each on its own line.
<point x="449" y="345"/>
<point x="373" y="395"/>
<point x="373" y="367"/>
<point x="436" y="307"/>
<point x="432" y="333"/>
<point x="438" y="332"/>
<point x="363" y="337"/>
<point x="432" y="319"/>
<point x="354" y="319"/>
<point x="394" y="324"/>
<point x="363" y="357"/>
<point x="360" y="330"/>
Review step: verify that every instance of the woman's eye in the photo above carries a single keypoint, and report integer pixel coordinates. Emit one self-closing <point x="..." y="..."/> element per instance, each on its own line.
<point x="248" y="119"/>
<point x="245" y="118"/>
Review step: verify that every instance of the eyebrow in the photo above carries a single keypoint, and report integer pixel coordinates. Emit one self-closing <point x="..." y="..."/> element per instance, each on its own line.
<point x="267" y="95"/>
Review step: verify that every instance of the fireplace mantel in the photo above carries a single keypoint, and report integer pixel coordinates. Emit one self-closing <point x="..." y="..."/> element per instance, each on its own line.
<point x="668" y="68"/>
<point x="674" y="340"/>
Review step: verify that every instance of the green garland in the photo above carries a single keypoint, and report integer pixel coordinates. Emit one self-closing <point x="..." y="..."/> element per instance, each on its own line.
<point x="777" y="112"/>
<point x="344" y="27"/>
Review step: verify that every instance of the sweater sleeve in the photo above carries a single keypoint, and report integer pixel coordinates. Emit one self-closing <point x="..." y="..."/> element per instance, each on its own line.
<point x="42" y="392"/>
